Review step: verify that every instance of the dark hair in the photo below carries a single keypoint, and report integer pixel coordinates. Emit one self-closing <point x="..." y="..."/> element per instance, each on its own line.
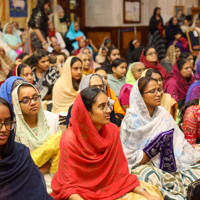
<point x="177" y="47"/>
<point x="149" y="72"/>
<point x="75" y="59"/>
<point x="17" y="82"/>
<point x="89" y="96"/>
<point x="20" y="68"/>
<point x="143" y="82"/>
<point x="22" y="55"/>
<point x="109" y="53"/>
<point x="184" y="108"/>
<point x="180" y="62"/>
<point x="4" y="148"/>
<point x="117" y="62"/>
<point x="100" y="68"/>
<point x="146" y="49"/>
<point x="185" y="55"/>
<point x="155" y="10"/>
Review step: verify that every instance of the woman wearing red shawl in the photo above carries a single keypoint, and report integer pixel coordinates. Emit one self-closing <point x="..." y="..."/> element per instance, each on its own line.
<point x="81" y="44"/>
<point x="150" y="60"/>
<point x="92" y="164"/>
<point x="179" y="81"/>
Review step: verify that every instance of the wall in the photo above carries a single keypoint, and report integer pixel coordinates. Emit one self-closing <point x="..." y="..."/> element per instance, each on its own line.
<point x="108" y="13"/>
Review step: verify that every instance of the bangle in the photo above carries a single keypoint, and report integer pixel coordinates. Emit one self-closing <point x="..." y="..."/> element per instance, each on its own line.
<point x="59" y="65"/>
<point x="43" y="43"/>
<point x="142" y="190"/>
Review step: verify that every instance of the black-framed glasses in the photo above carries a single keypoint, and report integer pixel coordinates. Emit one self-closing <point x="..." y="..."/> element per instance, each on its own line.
<point x="152" y="53"/>
<point x="9" y="125"/>
<point x="28" y="100"/>
<point x="107" y="106"/>
<point x="154" y="91"/>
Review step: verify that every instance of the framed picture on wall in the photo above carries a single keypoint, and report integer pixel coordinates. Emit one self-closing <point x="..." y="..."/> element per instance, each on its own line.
<point x="179" y="11"/>
<point x="132" y="11"/>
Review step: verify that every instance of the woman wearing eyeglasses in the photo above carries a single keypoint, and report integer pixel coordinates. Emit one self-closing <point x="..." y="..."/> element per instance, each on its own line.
<point x="134" y="72"/>
<point x="179" y="81"/>
<point x="92" y="164"/>
<point x="154" y="145"/>
<point x="34" y="125"/>
<point x="150" y="60"/>
<point x="19" y="176"/>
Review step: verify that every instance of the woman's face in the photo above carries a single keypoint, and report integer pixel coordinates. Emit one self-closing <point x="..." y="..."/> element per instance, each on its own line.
<point x="76" y="70"/>
<point x="152" y="94"/>
<point x="86" y="62"/>
<point x="158" y="78"/>
<point x="108" y="45"/>
<point x="174" y="21"/>
<point x="151" y="55"/>
<point x="120" y="70"/>
<point x="158" y="12"/>
<point x="104" y="75"/>
<point x="4" y="117"/>
<point x="186" y="70"/>
<point x="88" y="52"/>
<point x="31" y="108"/>
<point x="76" y="26"/>
<point x="191" y="60"/>
<point x="2" y="52"/>
<point x="43" y="63"/>
<point x="9" y="29"/>
<point x="104" y="52"/>
<point x="137" y="70"/>
<point x="82" y="43"/>
<point x="51" y="27"/>
<point x="100" y="114"/>
<point x="96" y="81"/>
<point x="47" y="8"/>
<point x="177" y="52"/>
<point x="27" y="74"/>
<point x="114" y="54"/>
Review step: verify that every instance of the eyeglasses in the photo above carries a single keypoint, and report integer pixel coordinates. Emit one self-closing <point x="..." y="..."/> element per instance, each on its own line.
<point x="28" y="100"/>
<point x="9" y="125"/>
<point x="152" y="53"/>
<point x="105" y="107"/>
<point x="139" y="70"/>
<point x="98" y="86"/>
<point x="154" y="91"/>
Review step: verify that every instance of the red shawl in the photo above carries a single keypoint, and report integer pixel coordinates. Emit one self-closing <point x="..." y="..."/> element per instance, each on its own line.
<point x="91" y="164"/>
<point x="77" y="51"/>
<point x="157" y="66"/>
<point x="176" y="85"/>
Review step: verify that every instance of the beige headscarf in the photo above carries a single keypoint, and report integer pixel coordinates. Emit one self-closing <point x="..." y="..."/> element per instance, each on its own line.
<point x="64" y="93"/>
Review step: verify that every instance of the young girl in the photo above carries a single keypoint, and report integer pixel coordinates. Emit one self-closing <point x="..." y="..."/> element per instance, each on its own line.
<point x="117" y="80"/>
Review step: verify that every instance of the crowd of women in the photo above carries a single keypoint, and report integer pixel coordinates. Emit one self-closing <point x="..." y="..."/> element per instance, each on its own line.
<point x="81" y="123"/>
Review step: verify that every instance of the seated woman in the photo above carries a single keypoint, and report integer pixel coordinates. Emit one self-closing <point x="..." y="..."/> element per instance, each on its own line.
<point x="8" y="86"/>
<point x="66" y="87"/>
<point x="119" y="112"/>
<point x="116" y="80"/>
<point x="149" y="133"/>
<point x="100" y="176"/>
<point x="188" y="56"/>
<point x="44" y="75"/>
<point x="34" y="125"/>
<point x="19" y="177"/>
<point x="112" y="54"/>
<point x="178" y="82"/>
<point x="134" y="72"/>
<point x="24" y="71"/>
<point x="190" y="120"/>
<point x="166" y="100"/>
<point x="4" y="70"/>
<point x="150" y="60"/>
<point x="5" y="56"/>
<point x="194" y="89"/>
<point x="11" y="37"/>
<point x="81" y="44"/>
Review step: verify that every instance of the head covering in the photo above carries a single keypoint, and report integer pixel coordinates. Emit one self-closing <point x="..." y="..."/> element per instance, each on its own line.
<point x="171" y="54"/>
<point x="85" y="82"/>
<point x="97" y="168"/>
<point x="138" y="129"/>
<point x="5" y="28"/>
<point x="157" y="66"/>
<point x="58" y="8"/>
<point x="64" y="93"/>
<point x="176" y="85"/>
<point x="4" y="70"/>
<point x="129" y="76"/>
<point x="6" y="88"/>
<point x="32" y="138"/>
<point x="197" y="75"/>
<point x="19" y="176"/>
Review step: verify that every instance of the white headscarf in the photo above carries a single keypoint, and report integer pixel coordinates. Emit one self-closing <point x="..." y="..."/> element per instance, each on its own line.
<point x="139" y="128"/>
